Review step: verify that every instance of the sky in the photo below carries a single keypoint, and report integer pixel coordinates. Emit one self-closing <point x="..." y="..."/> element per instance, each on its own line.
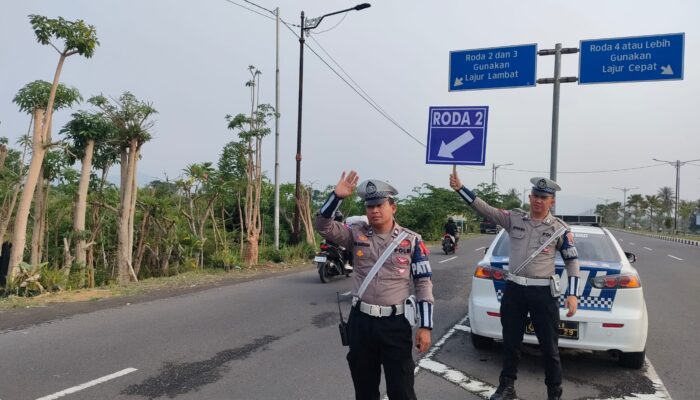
<point x="190" y="59"/>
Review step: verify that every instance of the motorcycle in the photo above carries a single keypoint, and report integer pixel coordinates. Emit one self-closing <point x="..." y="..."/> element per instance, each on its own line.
<point x="448" y="243"/>
<point x="332" y="260"/>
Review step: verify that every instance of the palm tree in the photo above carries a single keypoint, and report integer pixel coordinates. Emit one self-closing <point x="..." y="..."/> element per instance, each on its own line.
<point x="666" y="196"/>
<point x="654" y="204"/>
<point x="635" y="202"/>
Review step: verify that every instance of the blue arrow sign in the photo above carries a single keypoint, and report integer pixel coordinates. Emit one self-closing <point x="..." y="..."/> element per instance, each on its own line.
<point x="632" y="59"/>
<point x="457" y="135"/>
<point x="493" y="68"/>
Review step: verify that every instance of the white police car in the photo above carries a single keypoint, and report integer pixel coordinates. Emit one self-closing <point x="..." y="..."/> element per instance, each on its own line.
<point x="611" y="315"/>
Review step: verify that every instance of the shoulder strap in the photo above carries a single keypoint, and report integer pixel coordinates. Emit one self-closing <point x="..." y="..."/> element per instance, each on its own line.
<point x="532" y="256"/>
<point x="380" y="262"/>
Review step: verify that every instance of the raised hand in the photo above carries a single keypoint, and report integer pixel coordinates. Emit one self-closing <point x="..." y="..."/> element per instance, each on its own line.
<point x="346" y="184"/>
<point x="455" y="183"/>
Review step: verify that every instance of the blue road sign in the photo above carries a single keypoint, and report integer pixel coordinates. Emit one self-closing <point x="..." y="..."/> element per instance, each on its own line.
<point x="493" y="68"/>
<point x="632" y="59"/>
<point x="457" y="135"/>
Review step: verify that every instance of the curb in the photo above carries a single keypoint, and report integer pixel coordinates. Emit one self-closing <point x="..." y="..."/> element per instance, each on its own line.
<point x="668" y="238"/>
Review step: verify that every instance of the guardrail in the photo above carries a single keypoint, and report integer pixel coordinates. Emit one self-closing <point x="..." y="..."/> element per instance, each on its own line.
<point x="663" y="237"/>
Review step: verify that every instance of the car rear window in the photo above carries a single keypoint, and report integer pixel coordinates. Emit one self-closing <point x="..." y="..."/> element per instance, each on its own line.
<point x="590" y="247"/>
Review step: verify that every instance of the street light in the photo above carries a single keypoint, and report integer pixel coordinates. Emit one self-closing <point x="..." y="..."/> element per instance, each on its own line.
<point x="307" y="25"/>
<point x="624" y="204"/>
<point x="493" y="172"/>
<point x="677" y="164"/>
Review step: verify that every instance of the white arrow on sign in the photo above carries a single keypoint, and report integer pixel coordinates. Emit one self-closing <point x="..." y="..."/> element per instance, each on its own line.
<point x="446" y="150"/>
<point x="458" y="82"/>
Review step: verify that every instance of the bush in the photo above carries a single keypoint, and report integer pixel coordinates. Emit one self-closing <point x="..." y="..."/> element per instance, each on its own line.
<point x="269" y="253"/>
<point x="297" y="253"/>
<point x="225" y="259"/>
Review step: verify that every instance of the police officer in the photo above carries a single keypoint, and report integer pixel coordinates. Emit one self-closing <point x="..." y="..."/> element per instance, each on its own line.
<point x="379" y="334"/>
<point x="529" y="291"/>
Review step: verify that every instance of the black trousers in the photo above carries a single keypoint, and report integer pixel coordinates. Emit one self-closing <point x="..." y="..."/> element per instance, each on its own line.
<point x="376" y="342"/>
<point x="517" y="301"/>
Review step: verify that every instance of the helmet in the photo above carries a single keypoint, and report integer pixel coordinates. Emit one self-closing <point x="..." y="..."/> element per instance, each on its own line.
<point x="338" y="216"/>
<point x="450" y="219"/>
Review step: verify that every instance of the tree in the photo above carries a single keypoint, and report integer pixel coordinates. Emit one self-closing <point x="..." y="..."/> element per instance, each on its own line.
<point x="635" y="202"/>
<point x="131" y="119"/>
<point x="251" y="129"/>
<point x="654" y="204"/>
<point x="84" y="130"/>
<point x="33" y="99"/>
<point x="685" y="210"/>
<point x="666" y="196"/>
<point x="78" y="38"/>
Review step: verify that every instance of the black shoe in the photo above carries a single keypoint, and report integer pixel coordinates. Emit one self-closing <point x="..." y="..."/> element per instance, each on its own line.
<point x="505" y="390"/>
<point x="554" y="392"/>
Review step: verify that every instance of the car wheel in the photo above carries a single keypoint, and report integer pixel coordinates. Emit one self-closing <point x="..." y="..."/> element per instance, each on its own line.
<point x="632" y="360"/>
<point x="481" y="342"/>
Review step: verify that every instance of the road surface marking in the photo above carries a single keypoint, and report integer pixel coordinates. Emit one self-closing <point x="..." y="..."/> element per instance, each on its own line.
<point x="485" y="389"/>
<point x="648" y="248"/>
<point x="679" y="259"/>
<point x="480" y="248"/>
<point x="447" y="259"/>
<point x="631" y="244"/>
<point x="346" y="293"/>
<point x="88" y="384"/>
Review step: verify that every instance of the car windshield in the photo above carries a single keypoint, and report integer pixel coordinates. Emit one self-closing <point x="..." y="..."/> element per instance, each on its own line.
<point x="590" y="247"/>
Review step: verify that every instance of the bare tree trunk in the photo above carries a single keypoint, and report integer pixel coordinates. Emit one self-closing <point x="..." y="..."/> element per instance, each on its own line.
<point x="123" y="250"/>
<point x="38" y="216"/>
<point x="140" y="249"/>
<point x="19" y="233"/>
<point x="7" y="213"/>
<point x="132" y="206"/>
<point x="3" y="155"/>
<point x="81" y="209"/>
<point x="305" y="207"/>
<point x="240" y="216"/>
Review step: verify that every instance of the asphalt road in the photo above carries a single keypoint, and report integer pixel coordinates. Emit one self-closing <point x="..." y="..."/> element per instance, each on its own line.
<point x="277" y="338"/>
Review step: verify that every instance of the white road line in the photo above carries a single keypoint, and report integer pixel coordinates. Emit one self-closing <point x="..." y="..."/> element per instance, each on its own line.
<point x="648" y="248"/>
<point x="631" y="244"/>
<point x="447" y="259"/>
<point x="484" y="389"/>
<point x="88" y="384"/>
<point x="679" y="259"/>
<point x="480" y="248"/>
<point x="346" y="293"/>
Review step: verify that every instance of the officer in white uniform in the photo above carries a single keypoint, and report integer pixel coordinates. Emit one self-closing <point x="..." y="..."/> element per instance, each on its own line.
<point x="529" y="291"/>
<point x="378" y="332"/>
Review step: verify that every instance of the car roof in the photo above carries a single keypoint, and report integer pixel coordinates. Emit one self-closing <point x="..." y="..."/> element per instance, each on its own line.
<point x="587" y="229"/>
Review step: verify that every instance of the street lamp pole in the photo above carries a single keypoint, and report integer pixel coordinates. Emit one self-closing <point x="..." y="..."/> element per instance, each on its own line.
<point x="677" y="164"/>
<point x="493" y="172"/>
<point x="306" y="25"/>
<point x="624" y="204"/>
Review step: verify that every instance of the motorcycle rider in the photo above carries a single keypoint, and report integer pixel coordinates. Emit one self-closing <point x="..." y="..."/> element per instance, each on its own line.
<point x="347" y="255"/>
<point x="452" y="229"/>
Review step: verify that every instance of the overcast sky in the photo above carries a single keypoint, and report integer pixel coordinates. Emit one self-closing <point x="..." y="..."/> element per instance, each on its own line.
<point x="190" y="58"/>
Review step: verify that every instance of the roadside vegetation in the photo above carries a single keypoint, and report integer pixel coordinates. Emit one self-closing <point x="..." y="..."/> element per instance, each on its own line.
<point x="67" y="227"/>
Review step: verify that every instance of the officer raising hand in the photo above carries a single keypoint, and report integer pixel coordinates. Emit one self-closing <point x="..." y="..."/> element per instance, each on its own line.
<point x="379" y="331"/>
<point x="528" y="280"/>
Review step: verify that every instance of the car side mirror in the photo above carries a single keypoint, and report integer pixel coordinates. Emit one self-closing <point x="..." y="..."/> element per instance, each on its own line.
<point x="631" y="257"/>
<point x="486" y="249"/>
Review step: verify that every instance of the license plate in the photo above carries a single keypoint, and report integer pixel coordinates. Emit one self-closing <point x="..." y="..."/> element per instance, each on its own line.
<point x="567" y="329"/>
<point x="320" y="259"/>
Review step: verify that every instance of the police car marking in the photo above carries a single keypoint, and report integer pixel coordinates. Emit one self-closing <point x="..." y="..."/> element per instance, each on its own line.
<point x="485" y="390"/>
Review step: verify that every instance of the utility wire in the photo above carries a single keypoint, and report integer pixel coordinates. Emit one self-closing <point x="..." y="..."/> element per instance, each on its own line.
<point x="364" y="96"/>
<point x="386" y="114"/>
<point x="357" y="91"/>
<point x="588" y="172"/>
<point x="334" y="26"/>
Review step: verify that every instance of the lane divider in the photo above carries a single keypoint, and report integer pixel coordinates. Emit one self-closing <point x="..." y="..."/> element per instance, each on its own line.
<point x="485" y="390"/>
<point x="679" y="259"/>
<point x="447" y="259"/>
<point x="648" y="248"/>
<point x="88" y="384"/>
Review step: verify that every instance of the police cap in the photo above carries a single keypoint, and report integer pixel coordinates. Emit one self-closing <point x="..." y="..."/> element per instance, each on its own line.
<point x="544" y="186"/>
<point x="375" y="192"/>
